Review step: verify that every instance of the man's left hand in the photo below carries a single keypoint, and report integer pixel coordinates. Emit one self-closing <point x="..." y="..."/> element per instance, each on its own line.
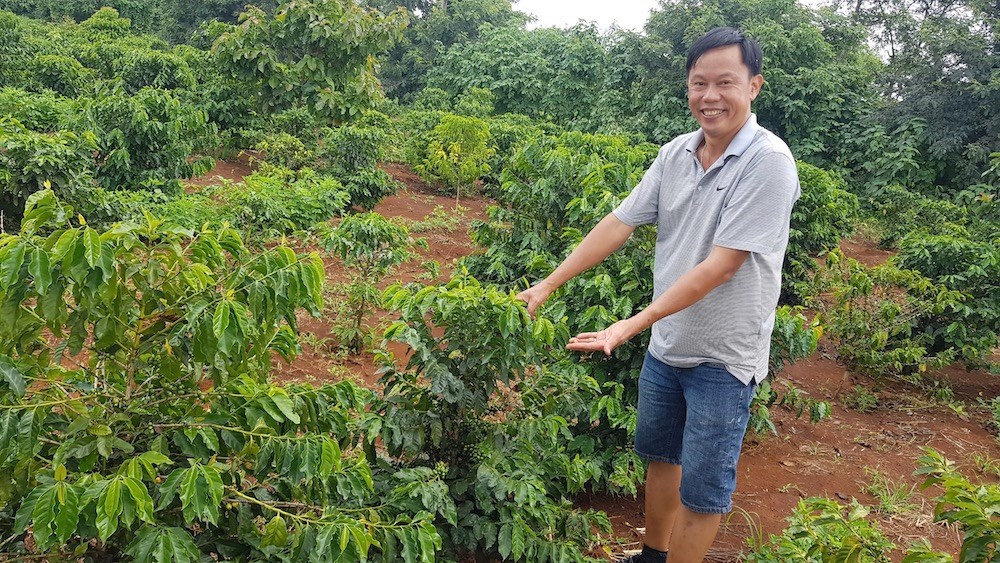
<point x="603" y="341"/>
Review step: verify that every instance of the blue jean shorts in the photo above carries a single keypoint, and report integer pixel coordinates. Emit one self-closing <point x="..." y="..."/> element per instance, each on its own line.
<point x="696" y="418"/>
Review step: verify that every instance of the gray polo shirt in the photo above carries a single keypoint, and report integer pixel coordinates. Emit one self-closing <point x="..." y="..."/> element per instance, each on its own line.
<point x="744" y="201"/>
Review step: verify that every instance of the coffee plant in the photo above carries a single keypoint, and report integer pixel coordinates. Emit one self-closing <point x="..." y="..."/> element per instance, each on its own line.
<point x="973" y="507"/>
<point x="458" y="153"/>
<point x="822" y="530"/>
<point x="30" y="160"/>
<point x="476" y="399"/>
<point x="887" y="320"/>
<point x="371" y="247"/>
<point x="136" y="419"/>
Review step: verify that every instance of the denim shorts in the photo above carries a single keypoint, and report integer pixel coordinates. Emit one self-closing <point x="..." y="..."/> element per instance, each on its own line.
<point x="696" y="418"/>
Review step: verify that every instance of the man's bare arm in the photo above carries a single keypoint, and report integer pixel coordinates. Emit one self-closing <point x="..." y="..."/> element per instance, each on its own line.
<point x="721" y="265"/>
<point x="605" y="238"/>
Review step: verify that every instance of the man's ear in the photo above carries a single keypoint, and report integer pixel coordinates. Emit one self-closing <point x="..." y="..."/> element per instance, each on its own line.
<point x="756" y="83"/>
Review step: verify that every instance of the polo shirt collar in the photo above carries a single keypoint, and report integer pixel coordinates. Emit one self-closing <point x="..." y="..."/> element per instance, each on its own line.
<point x="739" y="144"/>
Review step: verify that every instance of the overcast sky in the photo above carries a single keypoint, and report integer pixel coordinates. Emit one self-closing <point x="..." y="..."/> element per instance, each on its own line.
<point x="629" y="14"/>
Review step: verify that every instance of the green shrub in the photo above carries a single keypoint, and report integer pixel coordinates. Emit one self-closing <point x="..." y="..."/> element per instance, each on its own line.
<point x="140" y="69"/>
<point x="886" y="320"/>
<point x="352" y="148"/>
<point x="415" y="127"/>
<point x="822" y="530"/>
<point x="458" y="153"/>
<point x="147" y="136"/>
<point x="297" y="122"/>
<point x="37" y="111"/>
<point x="275" y="200"/>
<point x="900" y="212"/>
<point x="969" y="266"/>
<point x="285" y="151"/>
<point x="794" y="337"/>
<point x="30" y="160"/>
<point x="973" y="507"/>
<point x="432" y="99"/>
<point x="169" y="443"/>
<point x="371" y="246"/>
<point x="475" y="102"/>
<point x="824" y="214"/>
<point x="352" y="153"/>
<point x="63" y="75"/>
<point x="368" y="187"/>
<point x="510" y="475"/>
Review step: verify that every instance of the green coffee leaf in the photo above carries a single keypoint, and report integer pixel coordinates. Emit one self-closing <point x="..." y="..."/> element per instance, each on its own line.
<point x="12" y="375"/>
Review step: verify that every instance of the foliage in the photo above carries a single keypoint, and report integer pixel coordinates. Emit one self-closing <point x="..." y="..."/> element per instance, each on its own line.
<point x="144" y="137"/>
<point x="793" y="338"/>
<point x="822" y="530"/>
<point x="353" y="153"/>
<point x="153" y="69"/>
<point x="823" y="215"/>
<point x="312" y="53"/>
<point x="942" y="58"/>
<point x="440" y="25"/>
<point x="37" y="111"/>
<point x="478" y="402"/>
<point x="887" y="320"/>
<point x="352" y="148"/>
<point x="973" y="507"/>
<point x="31" y="160"/>
<point x="458" y="152"/>
<point x="285" y="151"/>
<point x="371" y="247"/>
<point x="163" y="441"/>
<point x="475" y="102"/>
<point x="861" y="399"/>
<point x="270" y="201"/>
<point x="966" y="265"/>
<point x="277" y="200"/>
<point x="541" y="73"/>
<point x="62" y="75"/>
<point x="431" y="99"/>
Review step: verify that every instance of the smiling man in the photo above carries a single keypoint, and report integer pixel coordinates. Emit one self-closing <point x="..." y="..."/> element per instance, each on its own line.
<point x="721" y="198"/>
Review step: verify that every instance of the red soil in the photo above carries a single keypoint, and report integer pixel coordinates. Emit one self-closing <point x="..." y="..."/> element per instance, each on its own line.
<point x="830" y="459"/>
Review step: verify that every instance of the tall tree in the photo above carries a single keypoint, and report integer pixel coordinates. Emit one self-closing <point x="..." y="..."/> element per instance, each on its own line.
<point x="436" y="27"/>
<point x="943" y="57"/>
<point x="318" y="54"/>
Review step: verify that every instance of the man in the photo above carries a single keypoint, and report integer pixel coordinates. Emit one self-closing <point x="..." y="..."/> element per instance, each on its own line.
<point x="721" y="198"/>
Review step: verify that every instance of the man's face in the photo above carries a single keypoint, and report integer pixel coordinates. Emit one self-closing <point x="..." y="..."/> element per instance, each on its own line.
<point x="720" y="90"/>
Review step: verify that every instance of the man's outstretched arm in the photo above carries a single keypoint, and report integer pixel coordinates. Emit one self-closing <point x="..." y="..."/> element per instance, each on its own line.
<point x="721" y="265"/>
<point x="608" y="236"/>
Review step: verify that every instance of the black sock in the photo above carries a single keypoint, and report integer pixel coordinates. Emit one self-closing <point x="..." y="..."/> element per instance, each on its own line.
<point x="650" y="555"/>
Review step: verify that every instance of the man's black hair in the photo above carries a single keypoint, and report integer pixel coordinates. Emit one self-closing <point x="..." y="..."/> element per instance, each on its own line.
<point x="723" y="37"/>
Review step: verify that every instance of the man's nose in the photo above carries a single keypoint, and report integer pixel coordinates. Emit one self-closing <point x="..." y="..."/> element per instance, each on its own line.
<point x="711" y="93"/>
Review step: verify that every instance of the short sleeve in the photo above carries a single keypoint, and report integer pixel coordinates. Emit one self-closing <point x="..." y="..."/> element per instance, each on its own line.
<point x="642" y="205"/>
<point x="757" y="215"/>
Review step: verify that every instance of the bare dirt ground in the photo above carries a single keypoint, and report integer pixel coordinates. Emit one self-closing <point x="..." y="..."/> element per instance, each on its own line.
<point x="835" y="458"/>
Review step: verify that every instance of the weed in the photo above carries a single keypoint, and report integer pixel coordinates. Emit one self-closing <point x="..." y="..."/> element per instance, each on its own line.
<point x="986" y="464"/>
<point x="441" y="219"/>
<point x="432" y="270"/>
<point x="861" y="399"/>
<point x="894" y="497"/>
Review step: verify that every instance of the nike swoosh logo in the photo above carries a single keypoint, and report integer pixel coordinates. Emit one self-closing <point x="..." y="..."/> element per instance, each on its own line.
<point x="720" y="189"/>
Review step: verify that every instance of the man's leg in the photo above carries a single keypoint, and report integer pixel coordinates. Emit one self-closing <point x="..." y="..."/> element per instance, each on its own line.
<point x="659" y="436"/>
<point x="663" y="499"/>
<point x="718" y="408"/>
<point x="693" y="535"/>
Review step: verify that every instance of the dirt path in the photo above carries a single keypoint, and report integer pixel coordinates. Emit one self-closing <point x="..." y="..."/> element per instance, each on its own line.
<point x="835" y="458"/>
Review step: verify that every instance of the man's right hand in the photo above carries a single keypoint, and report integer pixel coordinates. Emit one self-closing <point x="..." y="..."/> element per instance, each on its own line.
<point x="534" y="296"/>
